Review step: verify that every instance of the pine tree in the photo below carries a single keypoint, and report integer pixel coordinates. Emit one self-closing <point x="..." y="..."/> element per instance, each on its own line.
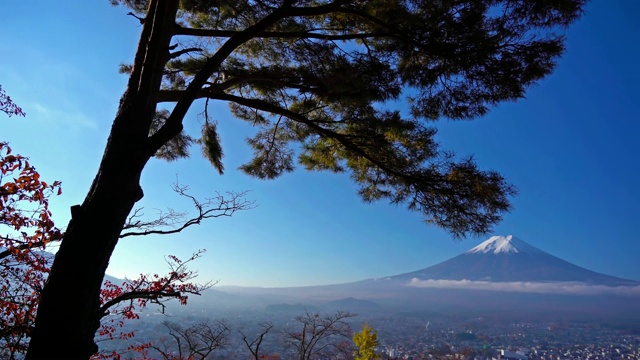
<point x="318" y="78"/>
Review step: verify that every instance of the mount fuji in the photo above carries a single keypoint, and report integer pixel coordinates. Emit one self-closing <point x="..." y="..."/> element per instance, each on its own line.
<point x="502" y="275"/>
<point x="509" y="259"/>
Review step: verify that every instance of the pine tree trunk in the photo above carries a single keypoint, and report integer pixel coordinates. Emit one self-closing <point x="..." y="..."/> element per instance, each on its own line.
<point x="68" y="318"/>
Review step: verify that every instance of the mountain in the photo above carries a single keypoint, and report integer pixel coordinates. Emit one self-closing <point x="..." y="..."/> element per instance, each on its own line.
<point x="502" y="274"/>
<point x="509" y="259"/>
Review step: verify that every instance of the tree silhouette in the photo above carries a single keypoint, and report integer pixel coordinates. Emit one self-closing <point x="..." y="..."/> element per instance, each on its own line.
<point x="318" y="79"/>
<point x="323" y="336"/>
<point x="196" y="341"/>
<point x="254" y="345"/>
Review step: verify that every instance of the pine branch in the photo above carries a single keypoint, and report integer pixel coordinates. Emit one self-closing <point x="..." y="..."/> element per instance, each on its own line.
<point x="281" y="34"/>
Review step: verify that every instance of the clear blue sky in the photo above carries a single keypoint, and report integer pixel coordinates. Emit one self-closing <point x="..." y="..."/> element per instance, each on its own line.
<point x="571" y="148"/>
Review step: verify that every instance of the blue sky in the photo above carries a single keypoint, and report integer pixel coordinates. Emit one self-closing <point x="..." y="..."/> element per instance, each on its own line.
<point x="571" y="148"/>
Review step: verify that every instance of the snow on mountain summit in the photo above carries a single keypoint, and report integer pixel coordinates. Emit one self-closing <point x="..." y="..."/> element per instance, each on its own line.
<point x="501" y="244"/>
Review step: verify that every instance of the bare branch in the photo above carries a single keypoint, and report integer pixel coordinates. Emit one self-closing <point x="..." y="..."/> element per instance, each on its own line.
<point x="320" y="334"/>
<point x="218" y="206"/>
<point x="169" y="217"/>
<point x="194" y="342"/>
<point x="254" y="345"/>
<point x="141" y="19"/>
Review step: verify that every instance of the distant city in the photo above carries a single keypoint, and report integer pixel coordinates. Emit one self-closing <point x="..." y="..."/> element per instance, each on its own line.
<point x="411" y="335"/>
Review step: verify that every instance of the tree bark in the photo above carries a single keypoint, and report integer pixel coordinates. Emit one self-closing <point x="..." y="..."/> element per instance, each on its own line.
<point x="68" y="317"/>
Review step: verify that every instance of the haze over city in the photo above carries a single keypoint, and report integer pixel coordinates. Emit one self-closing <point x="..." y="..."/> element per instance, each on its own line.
<point x="570" y="148"/>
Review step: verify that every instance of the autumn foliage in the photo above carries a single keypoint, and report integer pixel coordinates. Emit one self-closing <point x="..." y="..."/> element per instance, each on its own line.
<point x="366" y="341"/>
<point x="7" y="105"/>
<point x="125" y="301"/>
<point x="26" y="225"/>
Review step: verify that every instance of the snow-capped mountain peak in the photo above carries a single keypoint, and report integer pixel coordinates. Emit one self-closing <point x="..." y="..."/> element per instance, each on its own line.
<point x="509" y="259"/>
<point x="498" y="244"/>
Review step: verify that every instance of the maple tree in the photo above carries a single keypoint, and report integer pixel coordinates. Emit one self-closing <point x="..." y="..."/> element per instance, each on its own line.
<point x="26" y="223"/>
<point x="319" y="80"/>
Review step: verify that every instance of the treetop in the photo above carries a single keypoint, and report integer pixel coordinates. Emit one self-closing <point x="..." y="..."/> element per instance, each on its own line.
<point x="321" y="81"/>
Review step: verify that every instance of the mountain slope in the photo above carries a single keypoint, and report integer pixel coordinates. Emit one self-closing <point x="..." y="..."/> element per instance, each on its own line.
<point x="509" y="259"/>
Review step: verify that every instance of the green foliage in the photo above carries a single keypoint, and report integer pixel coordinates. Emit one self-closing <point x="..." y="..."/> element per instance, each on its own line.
<point x="211" y="147"/>
<point x="366" y="341"/>
<point x="177" y="147"/>
<point x="272" y="157"/>
<point x="321" y="81"/>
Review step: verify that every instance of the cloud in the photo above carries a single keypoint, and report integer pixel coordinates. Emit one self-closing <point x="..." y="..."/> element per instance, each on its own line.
<point x="58" y="91"/>
<point x="59" y="116"/>
<point x="529" y="287"/>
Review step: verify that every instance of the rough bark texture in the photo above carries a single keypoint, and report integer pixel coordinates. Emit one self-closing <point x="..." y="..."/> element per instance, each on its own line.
<point x="68" y="316"/>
